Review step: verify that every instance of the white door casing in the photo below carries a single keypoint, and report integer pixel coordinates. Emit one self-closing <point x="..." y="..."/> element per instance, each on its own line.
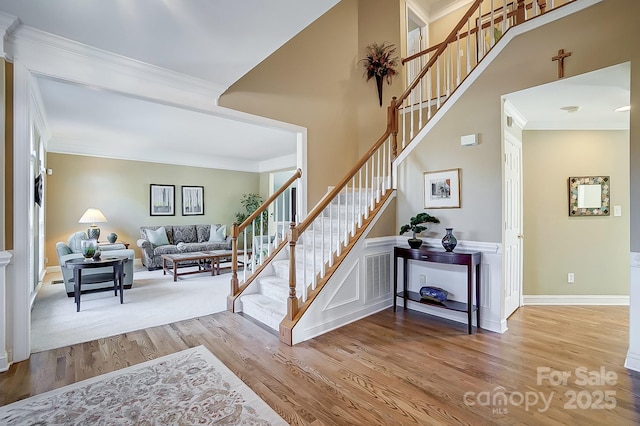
<point x="513" y="224"/>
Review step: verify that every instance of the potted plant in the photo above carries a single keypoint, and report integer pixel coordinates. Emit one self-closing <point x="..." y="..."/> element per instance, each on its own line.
<point x="415" y="226"/>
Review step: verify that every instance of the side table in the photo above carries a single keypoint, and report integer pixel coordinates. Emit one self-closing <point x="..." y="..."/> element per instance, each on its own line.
<point x="115" y="262"/>
<point x="469" y="259"/>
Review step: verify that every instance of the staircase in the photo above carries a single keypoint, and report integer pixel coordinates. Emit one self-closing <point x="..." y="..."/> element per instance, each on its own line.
<point x="280" y="286"/>
<point x="328" y="232"/>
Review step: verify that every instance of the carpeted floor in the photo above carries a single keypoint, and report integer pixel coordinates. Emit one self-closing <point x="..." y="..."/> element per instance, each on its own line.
<point x="186" y="388"/>
<point x="153" y="300"/>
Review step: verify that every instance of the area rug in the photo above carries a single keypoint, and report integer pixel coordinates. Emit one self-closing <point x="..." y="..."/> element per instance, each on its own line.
<point x="155" y="299"/>
<point x="191" y="387"/>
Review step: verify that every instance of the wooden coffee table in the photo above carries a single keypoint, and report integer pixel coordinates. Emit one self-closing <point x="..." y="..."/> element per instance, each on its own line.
<point x="219" y="256"/>
<point x="177" y="258"/>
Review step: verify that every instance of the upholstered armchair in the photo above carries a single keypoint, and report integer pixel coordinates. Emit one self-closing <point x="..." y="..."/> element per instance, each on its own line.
<point x="71" y="250"/>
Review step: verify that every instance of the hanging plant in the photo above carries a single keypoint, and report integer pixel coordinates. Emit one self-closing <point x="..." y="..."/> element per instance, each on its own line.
<point x="380" y="64"/>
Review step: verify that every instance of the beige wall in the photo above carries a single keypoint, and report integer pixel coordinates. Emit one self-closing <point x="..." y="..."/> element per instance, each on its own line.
<point x="525" y="62"/>
<point x="316" y="80"/>
<point x="120" y="189"/>
<point x="595" y="249"/>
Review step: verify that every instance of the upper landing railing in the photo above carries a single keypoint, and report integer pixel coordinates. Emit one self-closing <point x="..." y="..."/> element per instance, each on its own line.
<point x="435" y="73"/>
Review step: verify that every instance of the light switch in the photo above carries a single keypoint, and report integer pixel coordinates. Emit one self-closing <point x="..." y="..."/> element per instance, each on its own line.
<point x="617" y="210"/>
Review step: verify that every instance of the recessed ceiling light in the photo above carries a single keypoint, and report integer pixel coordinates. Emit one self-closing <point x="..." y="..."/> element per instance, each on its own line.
<point x="573" y="108"/>
<point x="623" y="108"/>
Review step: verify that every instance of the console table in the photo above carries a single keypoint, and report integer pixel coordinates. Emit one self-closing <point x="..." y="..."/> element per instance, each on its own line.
<point x="429" y="254"/>
<point x="115" y="262"/>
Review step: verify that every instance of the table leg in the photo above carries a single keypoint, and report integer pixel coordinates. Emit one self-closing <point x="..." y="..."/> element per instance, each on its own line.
<point x="395" y="281"/>
<point x="469" y="298"/>
<point x="404" y="280"/>
<point x="213" y="266"/>
<point x="478" y="296"/>
<point x="115" y="282"/>
<point x="120" y="274"/>
<point x="164" y="266"/>
<point x="77" y="275"/>
<point x="175" y="270"/>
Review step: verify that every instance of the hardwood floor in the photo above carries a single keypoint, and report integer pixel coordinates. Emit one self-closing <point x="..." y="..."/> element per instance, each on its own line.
<point x="391" y="369"/>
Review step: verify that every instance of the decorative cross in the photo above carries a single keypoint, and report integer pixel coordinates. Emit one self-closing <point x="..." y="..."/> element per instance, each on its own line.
<point x="560" y="58"/>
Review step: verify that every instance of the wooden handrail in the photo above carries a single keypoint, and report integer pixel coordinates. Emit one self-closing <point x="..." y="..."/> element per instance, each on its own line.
<point x="441" y="48"/>
<point x="499" y="17"/>
<point x="266" y="204"/>
<point x="326" y="200"/>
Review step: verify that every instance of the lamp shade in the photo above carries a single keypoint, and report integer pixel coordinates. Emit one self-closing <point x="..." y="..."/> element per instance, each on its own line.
<point x="92" y="216"/>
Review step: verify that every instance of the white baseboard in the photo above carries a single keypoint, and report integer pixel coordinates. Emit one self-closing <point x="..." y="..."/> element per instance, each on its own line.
<point x="575" y="300"/>
<point x="633" y="361"/>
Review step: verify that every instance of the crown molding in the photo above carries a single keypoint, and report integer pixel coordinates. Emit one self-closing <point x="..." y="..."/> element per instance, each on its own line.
<point x="8" y="24"/>
<point x="437" y="13"/>
<point x="511" y="111"/>
<point x="52" y="56"/>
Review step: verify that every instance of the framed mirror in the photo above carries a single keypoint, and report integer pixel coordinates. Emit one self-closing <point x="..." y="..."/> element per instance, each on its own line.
<point x="589" y="196"/>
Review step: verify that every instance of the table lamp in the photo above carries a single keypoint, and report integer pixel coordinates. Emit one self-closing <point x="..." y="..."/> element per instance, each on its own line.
<point x="93" y="216"/>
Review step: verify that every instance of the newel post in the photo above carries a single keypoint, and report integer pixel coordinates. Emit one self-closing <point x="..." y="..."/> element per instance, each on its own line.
<point x="393" y="125"/>
<point x="292" y="301"/>
<point x="234" y="267"/>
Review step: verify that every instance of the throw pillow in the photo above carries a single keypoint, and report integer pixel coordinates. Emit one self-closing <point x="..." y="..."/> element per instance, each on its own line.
<point x="158" y="237"/>
<point x="75" y="240"/>
<point x="218" y="233"/>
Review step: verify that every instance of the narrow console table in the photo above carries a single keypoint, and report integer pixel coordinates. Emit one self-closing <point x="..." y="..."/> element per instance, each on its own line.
<point x="431" y="254"/>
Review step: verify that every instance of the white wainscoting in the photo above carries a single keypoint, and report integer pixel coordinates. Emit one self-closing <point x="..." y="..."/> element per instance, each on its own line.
<point x="363" y="285"/>
<point x="5" y="360"/>
<point x="453" y="278"/>
<point x="633" y="355"/>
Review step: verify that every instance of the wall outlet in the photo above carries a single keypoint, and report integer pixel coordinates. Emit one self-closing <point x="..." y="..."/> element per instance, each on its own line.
<point x="570" y="278"/>
<point x="423" y="279"/>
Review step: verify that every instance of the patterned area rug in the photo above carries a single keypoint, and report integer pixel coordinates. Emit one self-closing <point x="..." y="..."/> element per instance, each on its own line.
<point x="186" y="388"/>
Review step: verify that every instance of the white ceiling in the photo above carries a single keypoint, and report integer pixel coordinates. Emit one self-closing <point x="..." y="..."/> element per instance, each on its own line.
<point x="212" y="40"/>
<point x="596" y="94"/>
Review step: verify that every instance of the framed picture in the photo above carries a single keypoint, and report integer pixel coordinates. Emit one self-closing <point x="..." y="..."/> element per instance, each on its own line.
<point x="162" y="200"/>
<point x="192" y="200"/>
<point x="442" y="189"/>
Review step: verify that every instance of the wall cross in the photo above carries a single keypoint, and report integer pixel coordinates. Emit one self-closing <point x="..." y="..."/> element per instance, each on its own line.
<point x="560" y="58"/>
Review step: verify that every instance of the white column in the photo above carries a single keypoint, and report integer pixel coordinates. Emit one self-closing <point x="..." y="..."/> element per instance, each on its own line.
<point x="5" y="257"/>
<point x="19" y="288"/>
<point x="633" y="356"/>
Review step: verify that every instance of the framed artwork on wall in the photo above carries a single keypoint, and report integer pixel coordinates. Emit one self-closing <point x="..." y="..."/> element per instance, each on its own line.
<point x="162" y="200"/>
<point x="192" y="200"/>
<point x="442" y="189"/>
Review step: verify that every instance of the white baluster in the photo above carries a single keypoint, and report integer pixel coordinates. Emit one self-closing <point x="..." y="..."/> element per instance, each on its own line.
<point x="438" y="83"/>
<point x="360" y="197"/>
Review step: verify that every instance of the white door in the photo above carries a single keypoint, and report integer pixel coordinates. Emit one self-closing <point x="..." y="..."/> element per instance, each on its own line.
<point x="513" y="224"/>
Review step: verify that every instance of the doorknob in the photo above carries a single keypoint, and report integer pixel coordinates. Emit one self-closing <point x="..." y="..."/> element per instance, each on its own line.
<point x="521" y="236"/>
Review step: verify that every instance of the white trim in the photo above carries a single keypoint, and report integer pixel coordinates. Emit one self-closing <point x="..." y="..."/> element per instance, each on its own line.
<point x="480" y="246"/>
<point x="442" y="12"/>
<point x="5" y="258"/>
<point x="279" y="163"/>
<point x="633" y="361"/>
<point x="22" y="215"/>
<point x="633" y="355"/>
<point x="576" y="300"/>
<point x="512" y="112"/>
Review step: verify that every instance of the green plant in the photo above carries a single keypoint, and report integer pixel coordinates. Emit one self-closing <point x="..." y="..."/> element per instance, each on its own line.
<point x="251" y="203"/>
<point x="415" y="223"/>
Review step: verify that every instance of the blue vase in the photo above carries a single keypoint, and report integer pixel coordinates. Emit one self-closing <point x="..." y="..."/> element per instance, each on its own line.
<point x="449" y="242"/>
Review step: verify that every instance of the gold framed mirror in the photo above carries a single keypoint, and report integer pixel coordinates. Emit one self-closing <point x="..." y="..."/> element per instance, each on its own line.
<point x="589" y="196"/>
